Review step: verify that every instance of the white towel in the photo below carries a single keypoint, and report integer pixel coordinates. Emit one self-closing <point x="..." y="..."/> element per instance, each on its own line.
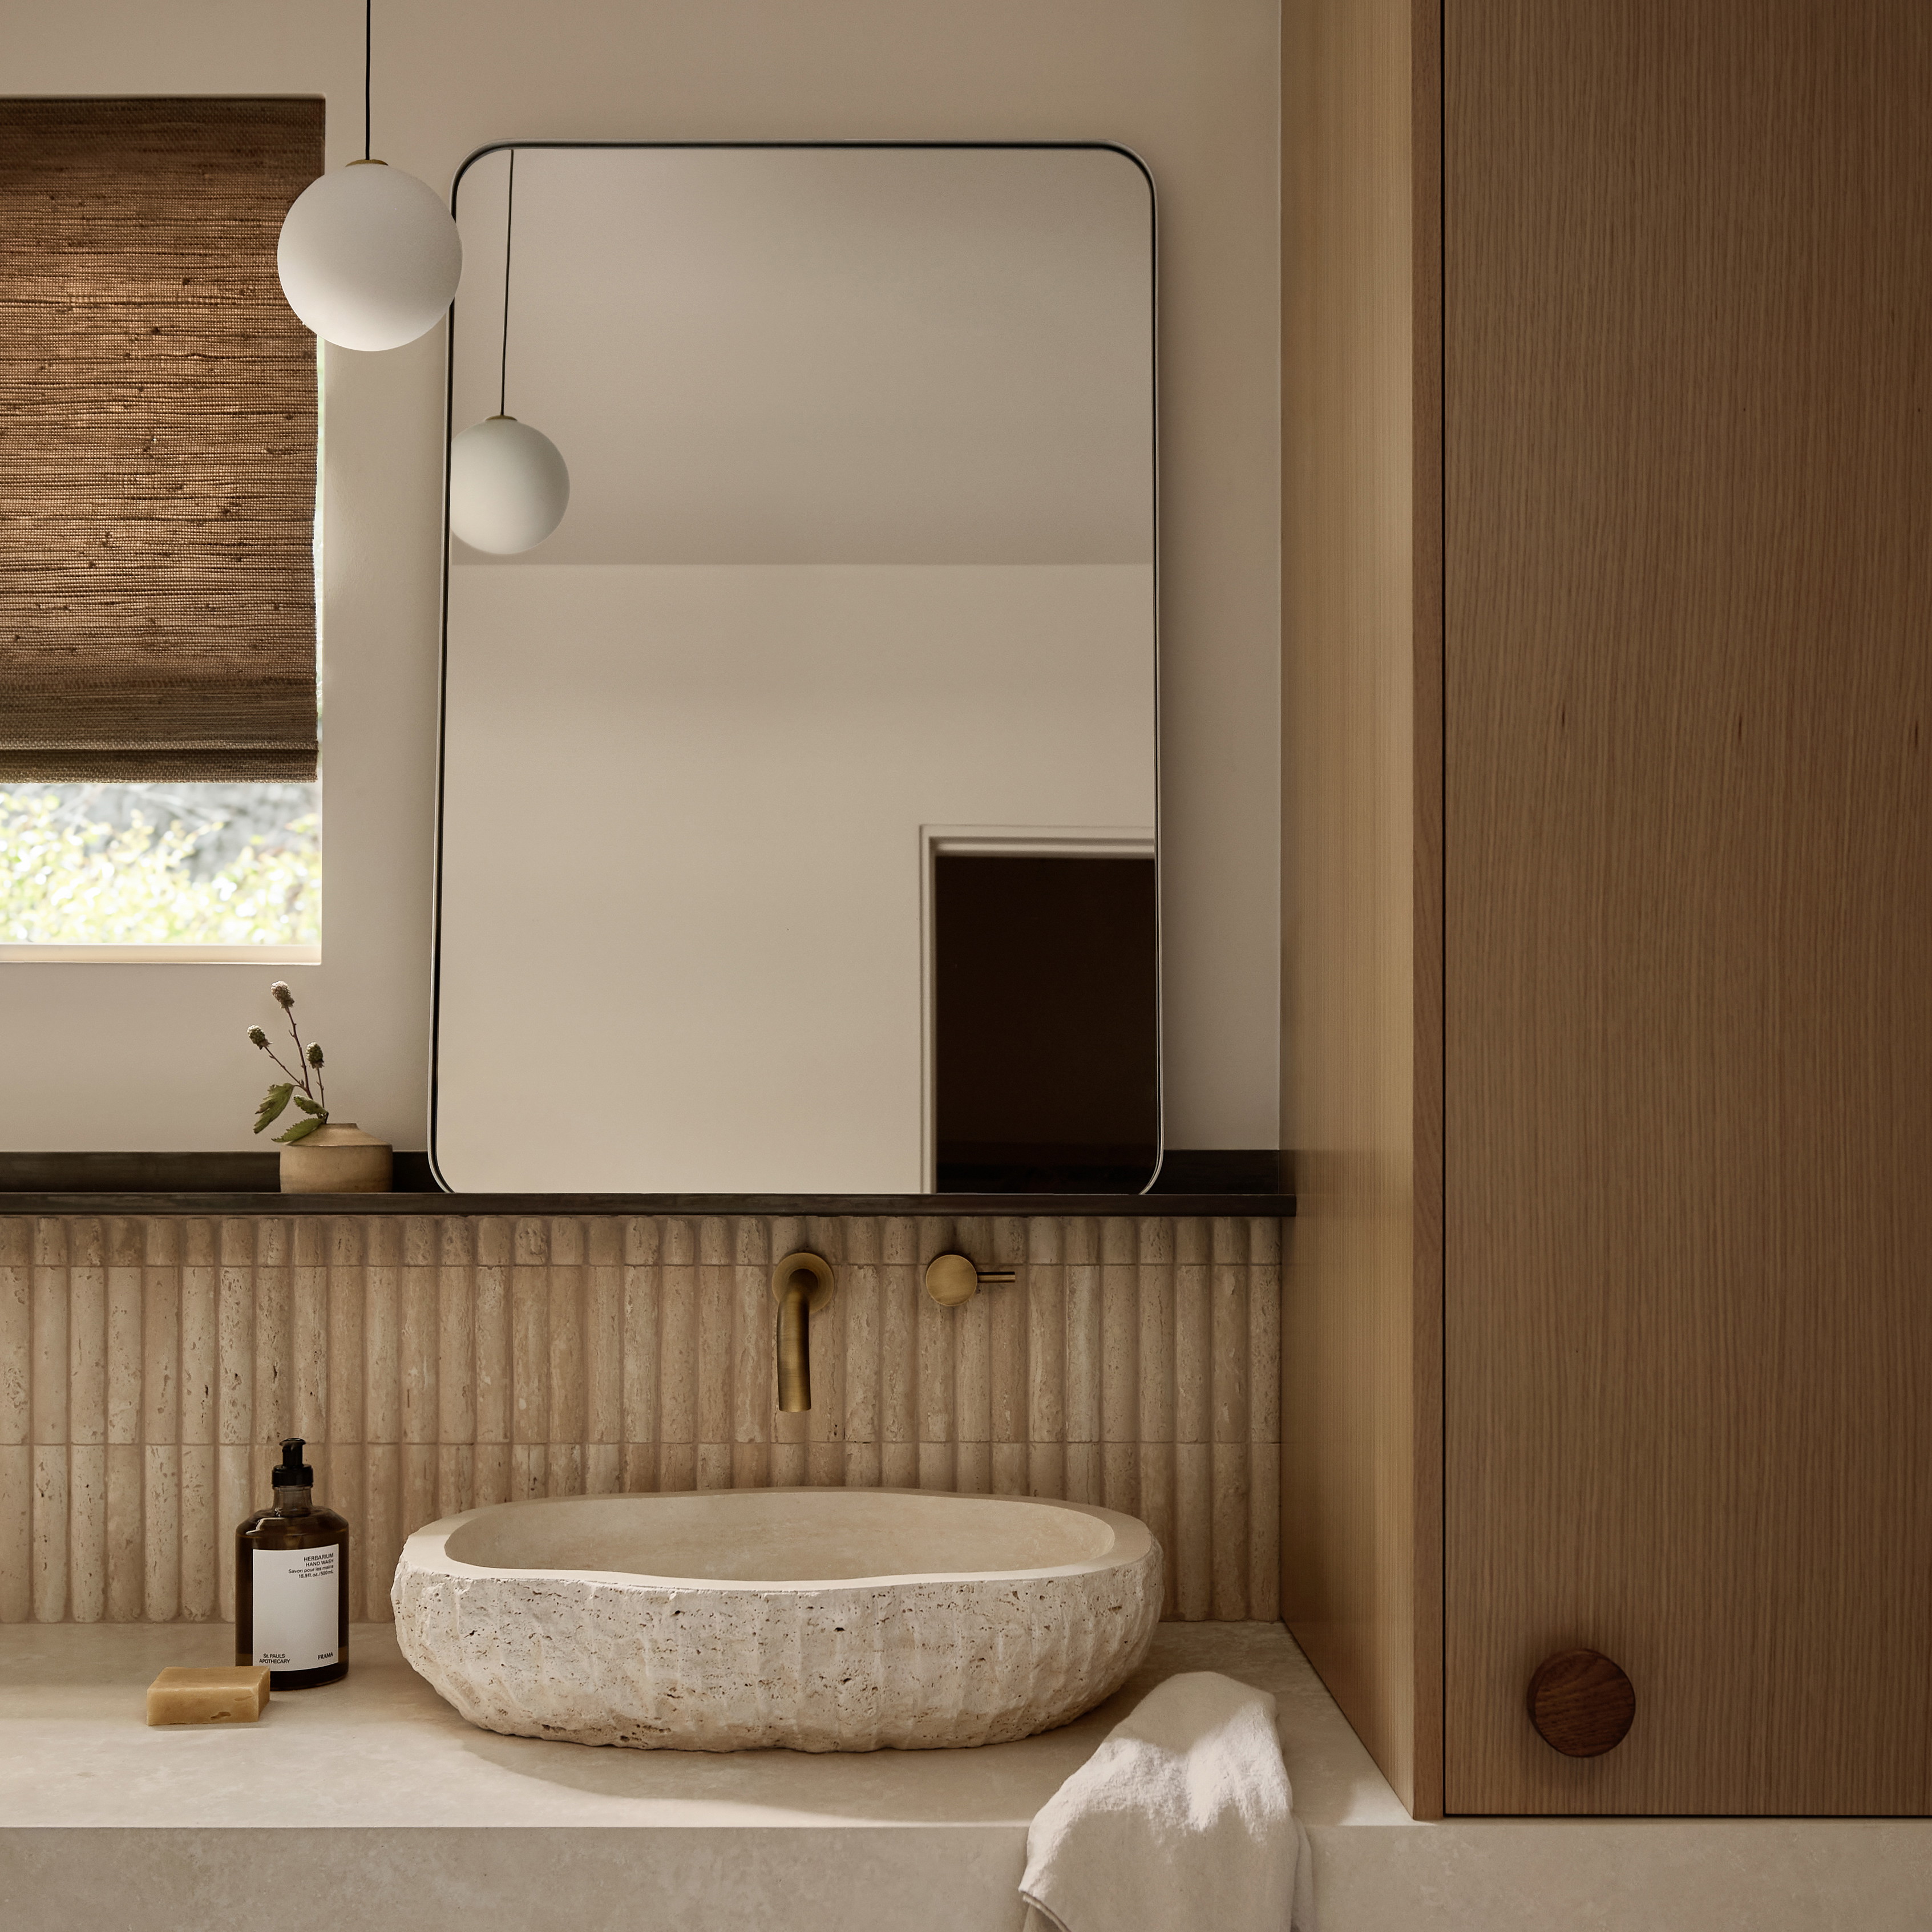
<point x="1182" y="1821"/>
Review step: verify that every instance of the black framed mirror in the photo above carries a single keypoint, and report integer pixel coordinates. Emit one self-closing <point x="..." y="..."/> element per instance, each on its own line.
<point x="856" y="585"/>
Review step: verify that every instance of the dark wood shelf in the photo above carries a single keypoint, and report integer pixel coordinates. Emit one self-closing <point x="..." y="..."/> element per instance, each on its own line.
<point x="1196" y="1182"/>
<point x="1269" y="1206"/>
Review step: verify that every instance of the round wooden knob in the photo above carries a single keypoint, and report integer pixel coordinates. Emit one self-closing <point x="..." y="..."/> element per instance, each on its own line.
<point x="1581" y="1703"/>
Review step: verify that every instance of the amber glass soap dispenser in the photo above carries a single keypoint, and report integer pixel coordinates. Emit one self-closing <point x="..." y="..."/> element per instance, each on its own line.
<point x="291" y="1583"/>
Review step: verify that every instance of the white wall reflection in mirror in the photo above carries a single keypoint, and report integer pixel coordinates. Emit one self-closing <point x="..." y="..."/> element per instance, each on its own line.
<point x="859" y="559"/>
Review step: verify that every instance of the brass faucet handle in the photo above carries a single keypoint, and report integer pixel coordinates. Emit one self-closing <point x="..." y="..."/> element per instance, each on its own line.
<point x="952" y="1280"/>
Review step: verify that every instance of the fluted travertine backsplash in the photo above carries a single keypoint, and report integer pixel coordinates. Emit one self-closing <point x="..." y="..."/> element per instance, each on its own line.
<point x="149" y="1366"/>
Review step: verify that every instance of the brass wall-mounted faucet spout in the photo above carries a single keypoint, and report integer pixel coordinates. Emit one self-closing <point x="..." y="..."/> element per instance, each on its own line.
<point x="795" y="1342"/>
<point x="801" y="1284"/>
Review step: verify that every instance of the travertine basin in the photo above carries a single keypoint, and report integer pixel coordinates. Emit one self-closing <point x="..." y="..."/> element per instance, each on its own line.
<point x="818" y="1619"/>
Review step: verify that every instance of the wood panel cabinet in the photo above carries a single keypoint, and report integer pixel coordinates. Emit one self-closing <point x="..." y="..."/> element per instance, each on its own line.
<point x="1646" y="1356"/>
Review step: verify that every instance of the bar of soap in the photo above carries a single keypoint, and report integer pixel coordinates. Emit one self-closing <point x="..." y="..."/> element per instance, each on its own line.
<point x="233" y="1694"/>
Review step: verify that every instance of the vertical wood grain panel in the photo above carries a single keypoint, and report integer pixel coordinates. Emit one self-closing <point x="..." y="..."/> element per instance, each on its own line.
<point x="1359" y="1523"/>
<point x="1688" y="373"/>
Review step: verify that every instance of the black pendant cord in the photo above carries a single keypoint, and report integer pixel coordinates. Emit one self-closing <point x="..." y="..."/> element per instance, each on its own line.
<point x="368" y="61"/>
<point x="509" y="231"/>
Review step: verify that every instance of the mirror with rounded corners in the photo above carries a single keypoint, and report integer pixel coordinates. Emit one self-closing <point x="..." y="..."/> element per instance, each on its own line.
<point x="798" y="792"/>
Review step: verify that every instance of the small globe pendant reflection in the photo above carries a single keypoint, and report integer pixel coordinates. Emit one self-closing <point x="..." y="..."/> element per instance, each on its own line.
<point x="508" y="486"/>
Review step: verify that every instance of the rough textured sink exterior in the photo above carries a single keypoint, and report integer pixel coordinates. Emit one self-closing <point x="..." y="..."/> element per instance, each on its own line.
<point x="817" y="1619"/>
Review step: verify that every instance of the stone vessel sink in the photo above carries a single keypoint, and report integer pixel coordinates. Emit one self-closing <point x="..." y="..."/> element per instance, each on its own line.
<point x="817" y="1619"/>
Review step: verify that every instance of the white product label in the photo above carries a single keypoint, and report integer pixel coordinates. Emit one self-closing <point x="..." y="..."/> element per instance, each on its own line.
<point x="296" y="1623"/>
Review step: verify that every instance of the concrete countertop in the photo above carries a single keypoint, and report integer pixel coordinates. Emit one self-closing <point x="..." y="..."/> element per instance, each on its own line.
<point x="370" y="1804"/>
<point x="381" y="1749"/>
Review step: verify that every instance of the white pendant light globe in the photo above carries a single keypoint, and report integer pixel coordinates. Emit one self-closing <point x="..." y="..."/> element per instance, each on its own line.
<point x="369" y="257"/>
<point x="508" y="486"/>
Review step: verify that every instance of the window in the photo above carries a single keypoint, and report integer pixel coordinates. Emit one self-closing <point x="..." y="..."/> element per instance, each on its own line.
<point x="158" y="718"/>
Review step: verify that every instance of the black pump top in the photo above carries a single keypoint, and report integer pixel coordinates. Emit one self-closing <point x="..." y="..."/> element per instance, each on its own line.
<point x="291" y="1472"/>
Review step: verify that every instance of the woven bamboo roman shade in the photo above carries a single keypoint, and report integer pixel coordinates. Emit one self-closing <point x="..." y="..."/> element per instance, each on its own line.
<point x="157" y="442"/>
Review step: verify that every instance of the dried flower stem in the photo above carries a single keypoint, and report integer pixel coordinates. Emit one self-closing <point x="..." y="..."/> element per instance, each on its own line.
<point x="301" y="1062"/>
<point x="314" y="1097"/>
<point x="294" y="1078"/>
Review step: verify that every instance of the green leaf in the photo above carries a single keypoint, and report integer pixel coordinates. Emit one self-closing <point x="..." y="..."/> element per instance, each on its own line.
<point x="273" y="1102"/>
<point x="300" y="1131"/>
<point x="314" y="1107"/>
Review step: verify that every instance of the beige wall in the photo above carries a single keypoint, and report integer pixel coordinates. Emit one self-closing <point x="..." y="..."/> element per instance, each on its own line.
<point x="152" y="1056"/>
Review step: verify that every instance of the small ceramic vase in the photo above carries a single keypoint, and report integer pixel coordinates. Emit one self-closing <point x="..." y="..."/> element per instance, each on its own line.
<point x="338" y="1159"/>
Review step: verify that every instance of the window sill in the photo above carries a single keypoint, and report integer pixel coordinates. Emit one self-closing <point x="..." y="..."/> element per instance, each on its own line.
<point x="160" y="955"/>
